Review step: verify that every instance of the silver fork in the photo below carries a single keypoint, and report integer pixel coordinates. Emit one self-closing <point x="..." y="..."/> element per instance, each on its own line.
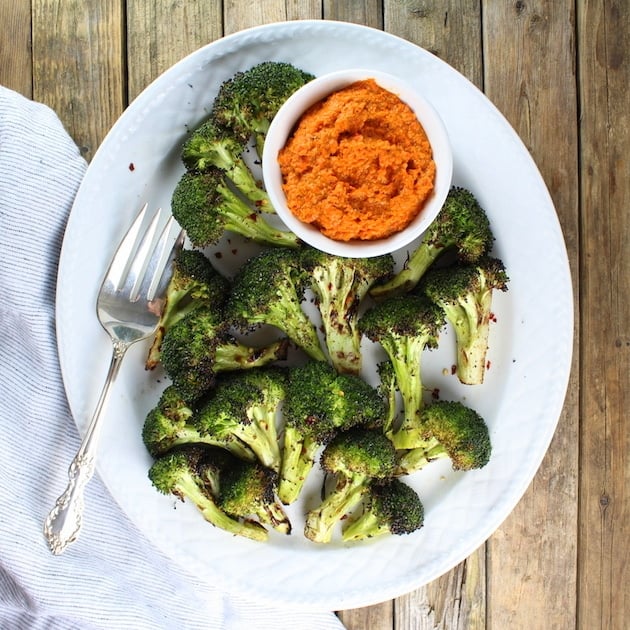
<point x="128" y="306"/>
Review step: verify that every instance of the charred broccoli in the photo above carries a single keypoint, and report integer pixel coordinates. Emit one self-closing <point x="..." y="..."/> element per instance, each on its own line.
<point x="191" y="473"/>
<point x="404" y="326"/>
<point x="449" y="429"/>
<point x="205" y="206"/>
<point x="269" y="289"/>
<point x="247" y="102"/>
<point x="340" y="285"/>
<point x="392" y="507"/>
<point x="243" y="406"/>
<point x="200" y="346"/>
<point x="461" y="226"/>
<point x="170" y="424"/>
<point x="248" y="490"/>
<point x="355" y="457"/>
<point x="464" y="292"/>
<point x="194" y="282"/>
<point x="319" y="403"/>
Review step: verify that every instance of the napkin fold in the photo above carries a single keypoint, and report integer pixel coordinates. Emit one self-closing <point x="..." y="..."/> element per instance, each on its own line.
<point x="112" y="577"/>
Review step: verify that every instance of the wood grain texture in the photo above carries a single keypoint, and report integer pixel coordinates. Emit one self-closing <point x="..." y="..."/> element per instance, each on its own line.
<point x="78" y="65"/>
<point x="16" y="64"/>
<point x="240" y="14"/>
<point x="162" y="33"/>
<point x="450" y="29"/>
<point x="365" y="12"/>
<point x="604" y="569"/>
<point x="529" y="73"/>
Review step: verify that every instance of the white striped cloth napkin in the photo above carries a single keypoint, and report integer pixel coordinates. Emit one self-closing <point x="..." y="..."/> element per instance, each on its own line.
<point x="111" y="578"/>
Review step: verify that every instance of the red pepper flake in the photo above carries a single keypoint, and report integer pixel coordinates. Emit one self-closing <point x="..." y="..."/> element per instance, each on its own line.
<point x="453" y="370"/>
<point x="493" y="317"/>
<point x="435" y="394"/>
<point x="218" y="255"/>
<point x="234" y="251"/>
<point x="488" y="364"/>
<point x="132" y="166"/>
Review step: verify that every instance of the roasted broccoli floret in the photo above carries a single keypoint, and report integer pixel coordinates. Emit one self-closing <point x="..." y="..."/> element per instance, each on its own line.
<point x="213" y="146"/>
<point x="200" y="346"/>
<point x="392" y="507"/>
<point x="205" y="206"/>
<point x="248" y="101"/>
<point x="450" y="429"/>
<point x="320" y="402"/>
<point x="194" y="282"/>
<point x="269" y="289"/>
<point x="170" y="424"/>
<point x="248" y="490"/>
<point x="340" y="284"/>
<point x="355" y="457"/>
<point x="190" y="473"/>
<point x="461" y="227"/>
<point x="243" y="405"/>
<point x="404" y="326"/>
<point x="464" y="292"/>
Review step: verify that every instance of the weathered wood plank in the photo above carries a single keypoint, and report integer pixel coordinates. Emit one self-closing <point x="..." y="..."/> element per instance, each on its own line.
<point x="530" y="75"/>
<point x="240" y="14"/>
<point x="450" y="29"/>
<point x="16" y="66"/>
<point x="366" y="12"/>
<point x="78" y="66"/>
<point x="375" y="617"/>
<point x="455" y="601"/>
<point x="604" y="63"/>
<point x="161" y="33"/>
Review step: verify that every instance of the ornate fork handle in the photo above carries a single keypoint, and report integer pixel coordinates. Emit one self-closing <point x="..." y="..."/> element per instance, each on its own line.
<point x="64" y="521"/>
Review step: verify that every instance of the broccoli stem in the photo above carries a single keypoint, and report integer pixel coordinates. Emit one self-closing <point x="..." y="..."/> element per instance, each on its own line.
<point x="265" y="443"/>
<point x="406" y="357"/>
<point x="237" y="356"/>
<point x="216" y="516"/>
<point x="251" y="225"/>
<point x="303" y="332"/>
<point x="343" y="339"/>
<point x="409" y="276"/>
<point x="241" y="176"/>
<point x="417" y="458"/>
<point x="321" y="521"/>
<point x="190" y="435"/>
<point x="471" y="323"/>
<point x="275" y="516"/>
<point x="215" y="153"/>
<point x="297" y="461"/>
<point x="367" y="525"/>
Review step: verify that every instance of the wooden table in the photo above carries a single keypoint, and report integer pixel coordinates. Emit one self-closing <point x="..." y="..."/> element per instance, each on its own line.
<point x="559" y="70"/>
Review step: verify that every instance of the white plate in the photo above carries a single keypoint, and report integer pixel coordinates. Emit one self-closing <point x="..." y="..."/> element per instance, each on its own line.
<point x="530" y="344"/>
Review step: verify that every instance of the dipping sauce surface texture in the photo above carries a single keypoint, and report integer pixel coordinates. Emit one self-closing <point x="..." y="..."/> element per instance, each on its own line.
<point x="358" y="165"/>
